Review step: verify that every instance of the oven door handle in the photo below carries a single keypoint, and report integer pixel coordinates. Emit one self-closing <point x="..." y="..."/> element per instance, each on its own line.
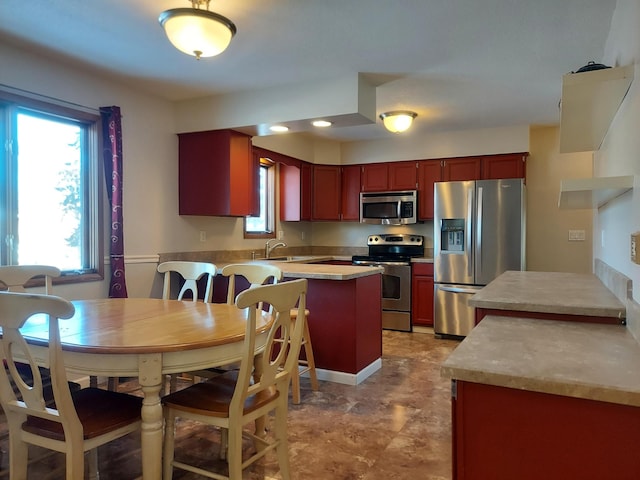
<point x="459" y="289"/>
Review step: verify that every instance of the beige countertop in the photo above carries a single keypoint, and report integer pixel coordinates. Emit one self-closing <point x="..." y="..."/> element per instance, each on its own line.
<point x="422" y="260"/>
<point x="549" y="292"/>
<point x="581" y="360"/>
<point x="299" y="267"/>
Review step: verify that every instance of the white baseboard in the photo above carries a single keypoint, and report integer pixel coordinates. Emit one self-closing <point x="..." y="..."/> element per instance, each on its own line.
<point x="348" y="378"/>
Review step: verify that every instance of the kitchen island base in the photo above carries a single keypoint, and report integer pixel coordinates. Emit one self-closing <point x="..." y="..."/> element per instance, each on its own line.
<point x="505" y="433"/>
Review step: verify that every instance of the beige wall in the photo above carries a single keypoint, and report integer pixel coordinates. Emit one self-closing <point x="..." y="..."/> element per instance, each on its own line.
<point x="152" y="224"/>
<point x="619" y="153"/>
<point x="548" y="247"/>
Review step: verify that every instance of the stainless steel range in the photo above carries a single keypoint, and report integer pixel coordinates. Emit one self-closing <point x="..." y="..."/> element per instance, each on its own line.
<point x="393" y="252"/>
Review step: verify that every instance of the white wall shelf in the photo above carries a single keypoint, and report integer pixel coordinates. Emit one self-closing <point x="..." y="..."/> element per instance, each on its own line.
<point x="590" y="100"/>
<point x="592" y="192"/>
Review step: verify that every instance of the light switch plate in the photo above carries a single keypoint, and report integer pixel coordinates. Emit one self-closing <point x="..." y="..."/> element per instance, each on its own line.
<point x="635" y="246"/>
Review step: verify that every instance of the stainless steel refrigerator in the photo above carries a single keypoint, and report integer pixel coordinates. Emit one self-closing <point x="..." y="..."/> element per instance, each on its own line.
<point x="479" y="233"/>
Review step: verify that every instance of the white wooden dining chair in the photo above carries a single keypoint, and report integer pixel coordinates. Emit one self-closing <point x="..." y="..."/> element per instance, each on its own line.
<point x="79" y="421"/>
<point x="255" y="274"/>
<point x="190" y="273"/>
<point x="232" y="403"/>
<point x="258" y="274"/>
<point x="16" y="278"/>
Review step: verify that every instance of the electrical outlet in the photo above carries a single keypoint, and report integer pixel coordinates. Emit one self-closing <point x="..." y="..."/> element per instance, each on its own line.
<point x="203" y="236"/>
<point x="280" y="234"/>
<point x="576" y="235"/>
<point x="301" y="235"/>
<point x="635" y="246"/>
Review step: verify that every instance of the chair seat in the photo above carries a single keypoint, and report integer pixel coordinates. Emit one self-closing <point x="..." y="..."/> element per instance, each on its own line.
<point x="212" y="398"/>
<point x="100" y="411"/>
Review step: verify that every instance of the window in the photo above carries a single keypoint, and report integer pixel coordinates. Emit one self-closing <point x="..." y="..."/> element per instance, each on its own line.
<point x="49" y="184"/>
<point x="263" y="225"/>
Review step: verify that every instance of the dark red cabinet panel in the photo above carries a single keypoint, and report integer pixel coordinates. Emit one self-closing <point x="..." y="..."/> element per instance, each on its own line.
<point x="422" y="294"/>
<point x="218" y="174"/>
<point x="350" y="193"/>
<point x="327" y="192"/>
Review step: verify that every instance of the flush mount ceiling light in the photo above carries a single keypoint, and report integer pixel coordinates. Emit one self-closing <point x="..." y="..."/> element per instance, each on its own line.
<point x="321" y="123"/>
<point x="279" y="128"/>
<point x="398" y="120"/>
<point x="197" y="31"/>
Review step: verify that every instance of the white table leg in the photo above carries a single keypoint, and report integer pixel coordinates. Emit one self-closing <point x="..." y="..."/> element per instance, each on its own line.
<point x="150" y="378"/>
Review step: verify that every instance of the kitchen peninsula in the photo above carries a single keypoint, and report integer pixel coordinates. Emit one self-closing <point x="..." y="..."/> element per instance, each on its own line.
<point x="539" y="397"/>
<point x="345" y="305"/>
<point x="345" y="320"/>
<point x="550" y="296"/>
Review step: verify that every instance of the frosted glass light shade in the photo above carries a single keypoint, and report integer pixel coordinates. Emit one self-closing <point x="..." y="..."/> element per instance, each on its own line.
<point x="196" y="32"/>
<point x="398" y="121"/>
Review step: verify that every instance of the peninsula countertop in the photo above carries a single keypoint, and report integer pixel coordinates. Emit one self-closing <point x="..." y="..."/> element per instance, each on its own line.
<point x="303" y="267"/>
<point x="549" y="292"/>
<point x="581" y="360"/>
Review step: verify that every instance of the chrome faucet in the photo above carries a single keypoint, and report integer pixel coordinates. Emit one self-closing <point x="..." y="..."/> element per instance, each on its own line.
<point x="268" y="248"/>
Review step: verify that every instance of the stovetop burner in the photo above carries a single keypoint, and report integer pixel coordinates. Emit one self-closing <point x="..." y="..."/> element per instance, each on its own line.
<point x="386" y="248"/>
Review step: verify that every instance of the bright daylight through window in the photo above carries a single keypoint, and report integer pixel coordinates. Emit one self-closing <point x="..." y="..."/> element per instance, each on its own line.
<point x="263" y="224"/>
<point x="50" y="188"/>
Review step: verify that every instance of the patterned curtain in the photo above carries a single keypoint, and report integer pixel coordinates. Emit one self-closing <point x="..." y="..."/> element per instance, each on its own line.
<point x="112" y="152"/>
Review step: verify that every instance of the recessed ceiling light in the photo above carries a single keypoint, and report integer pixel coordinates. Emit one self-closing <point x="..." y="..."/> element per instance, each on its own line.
<point x="278" y="128"/>
<point x="321" y="123"/>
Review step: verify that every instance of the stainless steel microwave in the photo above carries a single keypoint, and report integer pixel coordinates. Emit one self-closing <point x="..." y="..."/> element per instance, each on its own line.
<point x="389" y="208"/>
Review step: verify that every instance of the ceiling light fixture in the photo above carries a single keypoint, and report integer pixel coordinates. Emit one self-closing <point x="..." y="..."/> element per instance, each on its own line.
<point x="196" y="31"/>
<point x="279" y="128"/>
<point x="398" y="120"/>
<point x="321" y="123"/>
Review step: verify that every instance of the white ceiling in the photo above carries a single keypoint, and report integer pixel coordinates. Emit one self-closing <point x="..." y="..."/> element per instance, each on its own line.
<point x="460" y="64"/>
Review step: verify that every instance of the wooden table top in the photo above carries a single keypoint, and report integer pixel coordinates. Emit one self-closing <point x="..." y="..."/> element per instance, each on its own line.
<point x="145" y="325"/>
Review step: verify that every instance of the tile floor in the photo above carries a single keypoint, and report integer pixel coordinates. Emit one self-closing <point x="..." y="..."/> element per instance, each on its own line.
<point x="395" y="425"/>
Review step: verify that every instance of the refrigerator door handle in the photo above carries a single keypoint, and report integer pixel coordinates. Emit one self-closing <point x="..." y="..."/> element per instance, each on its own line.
<point x="458" y="289"/>
<point x="479" y="235"/>
<point x="469" y="226"/>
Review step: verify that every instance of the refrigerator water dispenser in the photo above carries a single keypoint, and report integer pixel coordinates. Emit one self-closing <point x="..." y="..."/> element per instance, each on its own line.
<point x="452" y="235"/>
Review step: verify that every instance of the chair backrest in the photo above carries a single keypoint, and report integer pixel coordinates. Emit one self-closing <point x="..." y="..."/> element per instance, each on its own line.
<point x="15" y="309"/>
<point x="256" y="275"/>
<point x="15" y="277"/>
<point x="283" y="297"/>
<point x="191" y="273"/>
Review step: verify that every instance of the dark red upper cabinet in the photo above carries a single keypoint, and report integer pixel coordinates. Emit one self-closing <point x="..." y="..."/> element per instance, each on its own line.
<point x="295" y="191"/>
<point x="327" y="192"/>
<point x="218" y="174"/>
<point x="306" y="190"/>
<point x="375" y="177"/>
<point x="512" y="165"/>
<point x="460" y="169"/>
<point x="351" y="193"/>
<point x="290" y="193"/>
<point x="429" y="172"/>
<point x="403" y="175"/>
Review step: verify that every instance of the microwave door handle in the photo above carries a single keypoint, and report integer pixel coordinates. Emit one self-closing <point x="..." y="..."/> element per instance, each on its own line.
<point x="469" y="223"/>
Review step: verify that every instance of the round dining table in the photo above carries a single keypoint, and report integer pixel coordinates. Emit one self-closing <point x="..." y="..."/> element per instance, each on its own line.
<point x="148" y="339"/>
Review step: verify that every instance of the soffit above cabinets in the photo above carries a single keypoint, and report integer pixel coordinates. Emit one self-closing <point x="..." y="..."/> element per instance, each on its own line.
<point x="590" y="100"/>
<point x="592" y="192"/>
